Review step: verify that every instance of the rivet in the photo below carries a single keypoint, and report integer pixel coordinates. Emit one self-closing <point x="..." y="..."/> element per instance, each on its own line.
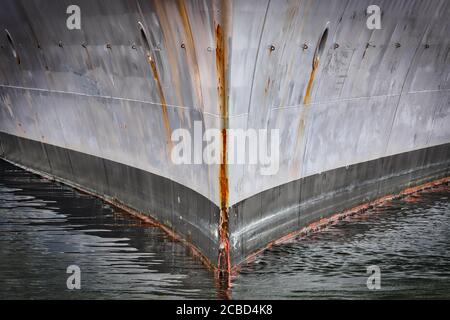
<point x="398" y="45"/>
<point x="272" y="47"/>
<point x="60" y="44"/>
<point x="305" y="46"/>
<point x="209" y="49"/>
<point x="336" y="45"/>
<point x="183" y="46"/>
<point x="133" y="46"/>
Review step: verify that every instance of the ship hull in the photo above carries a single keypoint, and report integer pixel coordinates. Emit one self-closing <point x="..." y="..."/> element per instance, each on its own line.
<point x="255" y="222"/>
<point x="183" y="213"/>
<point x="361" y="113"/>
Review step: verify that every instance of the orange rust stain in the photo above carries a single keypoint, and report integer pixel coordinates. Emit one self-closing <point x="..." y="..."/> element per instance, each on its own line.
<point x="300" y="130"/>
<point x="266" y="89"/>
<point x="413" y="198"/>
<point x="324" y="222"/>
<point x="220" y="66"/>
<point x="310" y="82"/>
<point x="223" y="175"/>
<point x="164" y="13"/>
<point x="162" y="99"/>
<point x="190" y="49"/>
<point x="224" y="264"/>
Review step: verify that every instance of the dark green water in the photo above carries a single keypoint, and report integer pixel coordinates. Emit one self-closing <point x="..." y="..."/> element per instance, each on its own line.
<point x="45" y="227"/>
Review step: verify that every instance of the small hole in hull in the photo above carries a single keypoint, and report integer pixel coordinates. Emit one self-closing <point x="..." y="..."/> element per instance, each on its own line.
<point x="320" y="47"/>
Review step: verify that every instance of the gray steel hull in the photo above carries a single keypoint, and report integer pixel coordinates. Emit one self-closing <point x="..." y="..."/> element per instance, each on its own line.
<point x="95" y="107"/>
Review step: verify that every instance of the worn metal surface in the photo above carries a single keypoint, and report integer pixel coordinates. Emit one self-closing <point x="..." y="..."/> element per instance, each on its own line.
<point x="365" y="102"/>
<point x="274" y="213"/>
<point x="112" y="103"/>
<point x="137" y="70"/>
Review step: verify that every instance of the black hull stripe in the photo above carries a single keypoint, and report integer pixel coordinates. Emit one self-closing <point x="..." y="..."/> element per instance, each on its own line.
<point x="254" y="222"/>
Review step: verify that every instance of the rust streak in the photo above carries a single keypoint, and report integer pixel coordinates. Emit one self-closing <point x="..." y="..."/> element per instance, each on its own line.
<point x="220" y="66"/>
<point x="164" y="13"/>
<point x="307" y="98"/>
<point x="300" y="133"/>
<point x="224" y="264"/>
<point x="162" y="98"/>
<point x="190" y="48"/>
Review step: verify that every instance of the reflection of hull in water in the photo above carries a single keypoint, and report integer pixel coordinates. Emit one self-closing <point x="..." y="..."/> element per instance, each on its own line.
<point x="95" y="107"/>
